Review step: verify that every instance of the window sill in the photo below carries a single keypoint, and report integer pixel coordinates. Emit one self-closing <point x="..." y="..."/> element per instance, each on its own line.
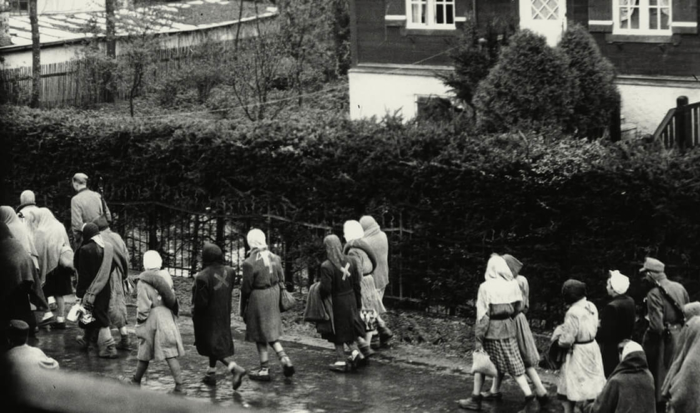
<point x="635" y="38"/>
<point x="428" y="32"/>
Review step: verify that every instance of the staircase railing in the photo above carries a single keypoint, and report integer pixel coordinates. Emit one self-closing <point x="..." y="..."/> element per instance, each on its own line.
<point x="680" y="128"/>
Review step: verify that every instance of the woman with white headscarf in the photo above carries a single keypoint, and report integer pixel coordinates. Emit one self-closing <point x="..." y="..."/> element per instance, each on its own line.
<point x="260" y="302"/>
<point x="156" y="321"/>
<point x="616" y="320"/>
<point x="357" y="249"/>
<point x="499" y="300"/>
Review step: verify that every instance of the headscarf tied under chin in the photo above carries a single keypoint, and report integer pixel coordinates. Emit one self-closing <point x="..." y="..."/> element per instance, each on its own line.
<point x="497" y="268"/>
<point x="334" y="252"/>
<point x="257" y="242"/>
<point x="573" y="291"/>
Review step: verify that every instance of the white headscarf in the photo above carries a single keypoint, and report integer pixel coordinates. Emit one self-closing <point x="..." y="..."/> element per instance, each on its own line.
<point x="497" y="267"/>
<point x="630" y="347"/>
<point x="152" y="260"/>
<point x="256" y="240"/>
<point x="619" y="282"/>
<point x="353" y="230"/>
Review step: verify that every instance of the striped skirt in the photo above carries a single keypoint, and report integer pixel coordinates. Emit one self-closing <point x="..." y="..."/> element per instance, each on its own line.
<point x="505" y="354"/>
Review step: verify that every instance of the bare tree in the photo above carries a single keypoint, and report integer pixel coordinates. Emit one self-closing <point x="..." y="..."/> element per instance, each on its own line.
<point x="36" y="55"/>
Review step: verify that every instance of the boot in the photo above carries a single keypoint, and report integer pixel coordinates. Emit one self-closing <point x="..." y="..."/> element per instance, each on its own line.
<point x="385" y="335"/>
<point x="107" y="350"/>
<point x="238" y="373"/>
<point x="124" y="343"/>
<point x="179" y="390"/>
<point x="472" y="403"/>
<point x="287" y="367"/>
<point x="210" y="379"/>
<point x="530" y="405"/>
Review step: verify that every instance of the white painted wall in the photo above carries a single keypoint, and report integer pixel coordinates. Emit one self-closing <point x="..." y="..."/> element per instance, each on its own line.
<point x="373" y="93"/>
<point x="69" y="6"/>
<point x="646" y="101"/>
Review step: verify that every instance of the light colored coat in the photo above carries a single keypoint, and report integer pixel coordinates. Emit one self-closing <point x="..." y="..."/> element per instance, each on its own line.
<point x="85" y="207"/>
<point x="158" y="333"/>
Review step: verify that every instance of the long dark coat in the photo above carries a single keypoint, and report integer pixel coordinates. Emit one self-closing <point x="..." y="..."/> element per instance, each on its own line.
<point x="87" y="261"/>
<point x="616" y="325"/>
<point x="347" y="299"/>
<point x="211" y="311"/>
<point x="630" y="388"/>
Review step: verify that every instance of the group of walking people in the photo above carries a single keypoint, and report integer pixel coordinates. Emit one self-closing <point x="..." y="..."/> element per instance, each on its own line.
<point x="600" y="368"/>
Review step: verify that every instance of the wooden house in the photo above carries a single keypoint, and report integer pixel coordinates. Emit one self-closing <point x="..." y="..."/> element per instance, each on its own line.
<point x="399" y="45"/>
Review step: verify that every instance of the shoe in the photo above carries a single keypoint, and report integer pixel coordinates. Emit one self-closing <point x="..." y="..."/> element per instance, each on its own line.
<point x="491" y="396"/>
<point x="110" y="352"/>
<point x="179" y="390"/>
<point x="129" y="381"/>
<point x="530" y="405"/>
<point x="84" y="345"/>
<point x="124" y="343"/>
<point x="472" y="403"/>
<point x="385" y="336"/>
<point x="375" y="344"/>
<point x="367" y="352"/>
<point x="238" y="373"/>
<point x="209" y="379"/>
<point x="353" y="361"/>
<point x="260" y="375"/>
<point x="58" y="325"/>
<point x="340" y="367"/>
<point x="287" y="367"/>
<point x="47" y="319"/>
<point x="543" y="400"/>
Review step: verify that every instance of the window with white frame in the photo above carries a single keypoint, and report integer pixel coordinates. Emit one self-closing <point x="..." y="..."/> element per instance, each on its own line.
<point x="642" y="16"/>
<point x="430" y="14"/>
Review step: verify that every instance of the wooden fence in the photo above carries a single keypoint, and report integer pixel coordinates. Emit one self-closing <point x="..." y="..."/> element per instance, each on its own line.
<point x="68" y="83"/>
<point x="680" y="128"/>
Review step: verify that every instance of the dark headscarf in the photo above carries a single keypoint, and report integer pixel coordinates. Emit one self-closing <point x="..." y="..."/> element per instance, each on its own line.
<point x="513" y="263"/>
<point x="89" y="231"/>
<point x="211" y="254"/>
<point x="334" y="251"/>
<point x="573" y="290"/>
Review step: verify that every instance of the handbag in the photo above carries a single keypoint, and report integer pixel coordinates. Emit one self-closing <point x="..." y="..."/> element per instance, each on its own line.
<point x="481" y="363"/>
<point x="554" y="357"/>
<point x="287" y="300"/>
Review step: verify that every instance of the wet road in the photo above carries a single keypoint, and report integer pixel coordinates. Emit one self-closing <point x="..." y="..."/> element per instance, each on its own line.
<point x="384" y="386"/>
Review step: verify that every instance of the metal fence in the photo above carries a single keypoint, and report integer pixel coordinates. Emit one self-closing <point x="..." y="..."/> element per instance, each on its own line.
<point x="179" y="234"/>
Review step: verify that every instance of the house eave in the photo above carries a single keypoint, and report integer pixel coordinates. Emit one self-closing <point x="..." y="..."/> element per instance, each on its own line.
<point x="400" y="70"/>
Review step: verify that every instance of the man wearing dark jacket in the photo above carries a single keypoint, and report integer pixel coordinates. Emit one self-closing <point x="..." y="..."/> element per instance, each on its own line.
<point x="630" y="388"/>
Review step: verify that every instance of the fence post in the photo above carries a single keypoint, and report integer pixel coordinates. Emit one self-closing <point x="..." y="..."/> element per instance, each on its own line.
<point x="401" y="255"/>
<point x="152" y="229"/>
<point x="195" y="242"/>
<point x="682" y="124"/>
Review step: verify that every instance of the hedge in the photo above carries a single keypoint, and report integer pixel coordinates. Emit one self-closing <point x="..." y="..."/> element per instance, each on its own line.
<point x="566" y="208"/>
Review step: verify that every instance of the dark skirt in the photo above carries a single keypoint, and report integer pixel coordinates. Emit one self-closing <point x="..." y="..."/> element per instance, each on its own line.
<point x="263" y="323"/>
<point x="346" y="319"/>
<point x="59" y="282"/>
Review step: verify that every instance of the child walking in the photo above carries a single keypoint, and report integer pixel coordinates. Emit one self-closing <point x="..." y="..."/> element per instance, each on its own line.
<point x="156" y="321"/>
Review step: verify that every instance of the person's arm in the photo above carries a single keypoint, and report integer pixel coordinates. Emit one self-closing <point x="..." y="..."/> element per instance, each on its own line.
<point x="247" y="284"/>
<point x="569" y="331"/>
<point x="357" y="286"/>
<point x="607" y="324"/>
<point x="201" y="295"/>
<point x="482" y="311"/>
<point x="655" y="312"/>
<point x="326" y="278"/>
<point x="76" y="217"/>
<point x="143" y="303"/>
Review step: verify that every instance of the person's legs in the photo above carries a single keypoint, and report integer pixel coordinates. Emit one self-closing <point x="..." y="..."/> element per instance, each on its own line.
<point x="105" y="344"/>
<point x="141" y="368"/>
<point x="495" y="392"/>
<point x="287" y="366"/>
<point x="264" y="373"/>
<point x="474" y="402"/>
<point x="60" y="312"/>
<point x="176" y="371"/>
<point x="385" y="334"/>
<point x="540" y="391"/>
<point x="524" y="386"/>
<point x="568" y="406"/>
<point x="210" y="377"/>
<point x="124" y="341"/>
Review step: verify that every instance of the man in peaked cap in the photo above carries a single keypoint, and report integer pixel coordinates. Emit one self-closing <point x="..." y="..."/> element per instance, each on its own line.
<point x="664" y="305"/>
<point x="21" y="353"/>
<point x="85" y="206"/>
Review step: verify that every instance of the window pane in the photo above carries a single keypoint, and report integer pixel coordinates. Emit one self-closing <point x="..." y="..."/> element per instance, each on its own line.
<point x="624" y="17"/>
<point x="665" y="24"/>
<point x="634" y="18"/>
<point x="450" y="10"/>
<point x="652" y="2"/>
<point x="653" y="19"/>
<point x="439" y="14"/>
